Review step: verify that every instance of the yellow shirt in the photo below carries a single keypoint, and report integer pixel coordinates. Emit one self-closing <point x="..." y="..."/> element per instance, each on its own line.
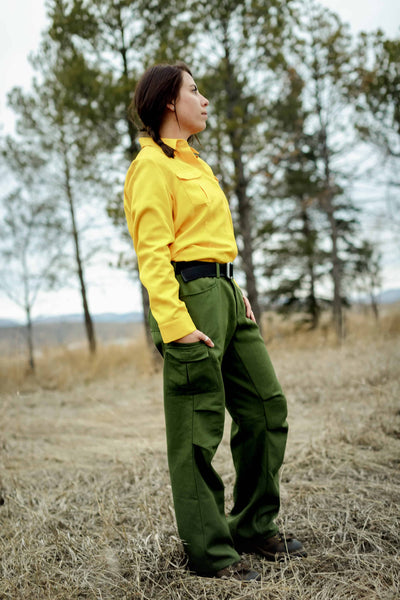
<point x="176" y="211"/>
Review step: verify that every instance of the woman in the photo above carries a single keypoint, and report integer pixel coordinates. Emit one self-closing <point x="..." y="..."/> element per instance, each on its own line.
<point x="214" y="356"/>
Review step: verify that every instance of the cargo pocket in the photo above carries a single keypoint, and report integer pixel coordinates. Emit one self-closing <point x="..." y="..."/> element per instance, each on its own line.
<point x="192" y="373"/>
<point x="189" y="369"/>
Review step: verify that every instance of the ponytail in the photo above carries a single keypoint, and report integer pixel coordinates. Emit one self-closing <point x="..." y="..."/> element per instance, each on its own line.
<point x="170" y="152"/>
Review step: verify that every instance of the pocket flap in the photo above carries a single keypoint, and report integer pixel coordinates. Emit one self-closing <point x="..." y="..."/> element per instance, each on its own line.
<point x="187" y="352"/>
<point x="187" y="174"/>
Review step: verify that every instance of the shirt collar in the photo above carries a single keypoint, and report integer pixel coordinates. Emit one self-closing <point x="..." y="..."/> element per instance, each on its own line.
<point x="176" y="144"/>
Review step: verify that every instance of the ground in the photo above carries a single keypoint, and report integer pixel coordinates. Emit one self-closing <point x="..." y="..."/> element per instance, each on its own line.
<point x="86" y="509"/>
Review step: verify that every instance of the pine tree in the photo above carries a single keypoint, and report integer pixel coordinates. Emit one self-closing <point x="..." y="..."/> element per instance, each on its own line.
<point x="289" y="233"/>
<point x="325" y="63"/>
<point x="239" y="49"/>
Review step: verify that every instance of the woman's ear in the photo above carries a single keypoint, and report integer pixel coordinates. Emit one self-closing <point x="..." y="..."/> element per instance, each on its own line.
<point x="171" y="107"/>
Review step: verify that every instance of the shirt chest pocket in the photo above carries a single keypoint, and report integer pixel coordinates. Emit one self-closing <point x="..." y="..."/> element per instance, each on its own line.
<point x="193" y="187"/>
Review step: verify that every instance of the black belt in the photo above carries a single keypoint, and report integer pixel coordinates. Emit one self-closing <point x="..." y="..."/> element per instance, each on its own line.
<point x="194" y="269"/>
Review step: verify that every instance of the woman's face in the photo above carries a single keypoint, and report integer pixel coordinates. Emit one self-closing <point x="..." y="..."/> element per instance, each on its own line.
<point x="190" y="108"/>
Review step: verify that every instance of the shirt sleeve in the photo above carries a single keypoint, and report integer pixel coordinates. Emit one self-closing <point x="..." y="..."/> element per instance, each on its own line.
<point x="148" y="206"/>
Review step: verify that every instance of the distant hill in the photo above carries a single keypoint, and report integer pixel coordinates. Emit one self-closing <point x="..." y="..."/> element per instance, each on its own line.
<point x="383" y="298"/>
<point x="9" y="323"/>
<point x="389" y="296"/>
<point x="131" y="317"/>
<point x="69" y="330"/>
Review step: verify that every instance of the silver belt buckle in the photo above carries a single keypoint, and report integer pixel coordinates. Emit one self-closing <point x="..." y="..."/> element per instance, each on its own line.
<point x="229" y="270"/>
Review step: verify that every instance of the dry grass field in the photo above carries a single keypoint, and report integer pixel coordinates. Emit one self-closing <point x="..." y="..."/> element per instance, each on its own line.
<point x="85" y="502"/>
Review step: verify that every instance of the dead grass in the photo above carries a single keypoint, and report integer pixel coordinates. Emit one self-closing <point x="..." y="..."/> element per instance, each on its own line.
<point x="86" y="509"/>
<point x="61" y="368"/>
<point x="359" y="324"/>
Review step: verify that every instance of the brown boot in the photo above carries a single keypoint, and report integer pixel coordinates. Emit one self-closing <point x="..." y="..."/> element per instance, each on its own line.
<point x="239" y="571"/>
<point x="277" y="547"/>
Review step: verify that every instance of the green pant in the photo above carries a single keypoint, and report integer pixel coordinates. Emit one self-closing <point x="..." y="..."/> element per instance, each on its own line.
<point x="199" y="382"/>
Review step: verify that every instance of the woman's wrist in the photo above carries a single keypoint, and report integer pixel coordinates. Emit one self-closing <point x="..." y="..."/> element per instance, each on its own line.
<point x="195" y="336"/>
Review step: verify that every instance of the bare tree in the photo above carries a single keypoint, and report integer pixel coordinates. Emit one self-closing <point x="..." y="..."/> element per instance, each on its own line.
<point x="30" y="251"/>
<point x="51" y="130"/>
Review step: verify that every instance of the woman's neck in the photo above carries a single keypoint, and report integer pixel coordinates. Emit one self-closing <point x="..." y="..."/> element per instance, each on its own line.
<point x="171" y="130"/>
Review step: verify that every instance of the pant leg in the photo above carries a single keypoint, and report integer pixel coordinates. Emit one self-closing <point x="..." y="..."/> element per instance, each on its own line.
<point x="194" y="403"/>
<point x="257" y="405"/>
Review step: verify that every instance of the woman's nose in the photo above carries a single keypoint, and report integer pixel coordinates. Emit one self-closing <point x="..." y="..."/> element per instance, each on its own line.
<point x="205" y="102"/>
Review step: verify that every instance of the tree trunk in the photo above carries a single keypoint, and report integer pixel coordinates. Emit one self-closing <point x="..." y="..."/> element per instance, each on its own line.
<point x="337" y="280"/>
<point x="133" y="148"/>
<point x="27" y="306"/>
<point x="337" y="308"/>
<point x="374" y="306"/>
<point x="29" y="339"/>
<point x="89" y="327"/>
<point x="245" y="213"/>
<point x="313" y="307"/>
<point x="241" y="184"/>
<point x="125" y="69"/>
<point x="327" y="205"/>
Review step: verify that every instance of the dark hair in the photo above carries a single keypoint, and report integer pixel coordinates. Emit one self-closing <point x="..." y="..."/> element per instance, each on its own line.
<point x="157" y="87"/>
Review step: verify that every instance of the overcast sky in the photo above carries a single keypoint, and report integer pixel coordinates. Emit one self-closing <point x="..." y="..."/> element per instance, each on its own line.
<point x="20" y="26"/>
<point x="23" y="20"/>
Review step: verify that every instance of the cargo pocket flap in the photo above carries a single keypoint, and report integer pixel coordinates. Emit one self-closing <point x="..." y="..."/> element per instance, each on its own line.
<point x="187" y="352"/>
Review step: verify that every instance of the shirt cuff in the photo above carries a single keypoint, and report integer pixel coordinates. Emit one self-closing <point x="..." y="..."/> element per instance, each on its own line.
<point x="177" y="329"/>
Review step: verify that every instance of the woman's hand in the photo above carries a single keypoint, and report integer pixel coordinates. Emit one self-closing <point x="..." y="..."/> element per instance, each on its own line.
<point x="196" y="336"/>
<point x="249" y="312"/>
